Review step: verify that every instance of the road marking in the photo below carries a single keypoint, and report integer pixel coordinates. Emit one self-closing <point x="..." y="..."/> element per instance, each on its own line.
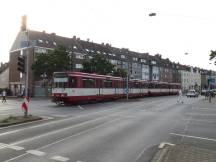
<point x="18" y="148"/>
<point x="59" y="158"/>
<point x="200" y="114"/>
<point x="165" y="143"/>
<point x="5" y="114"/>
<point x="196" y="137"/>
<point x="205" y="108"/>
<point x="80" y="107"/>
<point x="197" y="120"/>
<point x="9" y="132"/>
<point x="60" y="116"/>
<point x="36" y="152"/>
<point x="5" y="109"/>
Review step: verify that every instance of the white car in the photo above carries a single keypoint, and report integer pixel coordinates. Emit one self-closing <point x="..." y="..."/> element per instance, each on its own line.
<point x="192" y="93"/>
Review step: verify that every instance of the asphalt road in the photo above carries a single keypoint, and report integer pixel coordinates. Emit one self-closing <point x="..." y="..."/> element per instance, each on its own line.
<point x="117" y="131"/>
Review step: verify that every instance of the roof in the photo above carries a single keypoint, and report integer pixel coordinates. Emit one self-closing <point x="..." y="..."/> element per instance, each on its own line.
<point x="51" y="40"/>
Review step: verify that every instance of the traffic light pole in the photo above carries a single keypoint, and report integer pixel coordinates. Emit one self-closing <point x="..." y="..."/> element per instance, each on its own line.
<point x="27" y="75"/>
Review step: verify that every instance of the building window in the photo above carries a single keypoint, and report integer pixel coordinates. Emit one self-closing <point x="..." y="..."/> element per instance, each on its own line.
<point x="123" y="56"/>
<point x="40" y="40"/>
<point x="79" y="56"/>
<point x="153" y="62"/>
<point x="143" y="60"/>
<point x="54" y="43"/>
<point x="79" y="66"/>
<point x="114" y="62"/>
<point x="135" y="59"/>
<point x="40" y="50"/>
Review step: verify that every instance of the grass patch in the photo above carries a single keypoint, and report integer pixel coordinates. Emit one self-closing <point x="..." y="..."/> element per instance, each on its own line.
<point x="13" y="120"/>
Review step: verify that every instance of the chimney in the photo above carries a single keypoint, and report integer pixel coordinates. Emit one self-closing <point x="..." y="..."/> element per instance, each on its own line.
<point x="23" y="25"/>
<point x="74" y="37"/>
<point x="88" y="40"/>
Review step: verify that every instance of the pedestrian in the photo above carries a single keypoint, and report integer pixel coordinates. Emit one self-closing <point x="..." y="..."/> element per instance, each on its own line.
<point x="3" y="96"/>
<point x="180" y="100"/>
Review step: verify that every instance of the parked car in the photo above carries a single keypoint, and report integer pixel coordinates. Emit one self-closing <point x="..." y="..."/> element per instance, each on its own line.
<point x="192" y="93"/>
<point x="203" y="92"/>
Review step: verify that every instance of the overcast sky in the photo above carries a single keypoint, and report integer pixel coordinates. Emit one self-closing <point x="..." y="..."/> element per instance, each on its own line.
<point x="181" y="26"/>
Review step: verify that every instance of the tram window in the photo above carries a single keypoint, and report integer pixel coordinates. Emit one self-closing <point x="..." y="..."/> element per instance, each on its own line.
<point x="88" y="83"/>
<point x="72" y="82"/>
<point x="151" y="85"/>
<point x="117" y="84"/>
<point x="107" y="83"/>
<point x="136" y="85"/>
<point x="60" y="84"/>
<point x="98" y="83"/>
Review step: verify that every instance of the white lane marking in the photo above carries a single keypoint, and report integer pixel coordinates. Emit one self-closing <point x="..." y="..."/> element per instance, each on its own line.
<point x="9" y="132"/>
<point x="5" y="109"/>
<point x="165" y="143"/>
<point x="18" y="148"/>
<point x="196" y="137"/>
<point x="36" y="152"/>
<point x="197" y="120"/>
<point x="60" y="116"/>
<point x="200" y="114"/>
<point x="3" y="145"/>
<point x="80" y="107"/>
<point x="5" y="114"/>
<point x="205" y="108"/>
<point x="59" y="158"/>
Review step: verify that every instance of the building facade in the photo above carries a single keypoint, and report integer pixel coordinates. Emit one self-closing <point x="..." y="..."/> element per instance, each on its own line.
<point x="190" y="78"/>
<point x="4" y="76"/>
<point x="138" y="65"/>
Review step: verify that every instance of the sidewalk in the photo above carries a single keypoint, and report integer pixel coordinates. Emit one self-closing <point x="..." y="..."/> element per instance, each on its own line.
<point x="184" y="153"/>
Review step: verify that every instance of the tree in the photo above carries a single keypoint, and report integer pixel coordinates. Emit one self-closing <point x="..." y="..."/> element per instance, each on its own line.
<point x="55" y="60"/>
<point x="98" y="64"/>
<point x="212" y="55"/>
<point x="120" y="73"/>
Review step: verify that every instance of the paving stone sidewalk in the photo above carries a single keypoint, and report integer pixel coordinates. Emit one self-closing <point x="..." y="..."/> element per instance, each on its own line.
<point x="184" y="153"/>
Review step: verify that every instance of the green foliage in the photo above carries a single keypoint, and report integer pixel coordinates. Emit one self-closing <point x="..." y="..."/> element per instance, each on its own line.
<point x="212" y="55"/>
<point x="98" y="64"/>
<point x="56" y="60"/>
<point x="120" y="73"/>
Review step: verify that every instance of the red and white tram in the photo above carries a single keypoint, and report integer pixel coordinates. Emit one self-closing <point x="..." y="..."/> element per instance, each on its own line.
<point x="71" y="87"/>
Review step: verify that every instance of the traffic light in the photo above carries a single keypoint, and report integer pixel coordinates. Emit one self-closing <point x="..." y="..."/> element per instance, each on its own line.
<point x="21" y="64"/>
